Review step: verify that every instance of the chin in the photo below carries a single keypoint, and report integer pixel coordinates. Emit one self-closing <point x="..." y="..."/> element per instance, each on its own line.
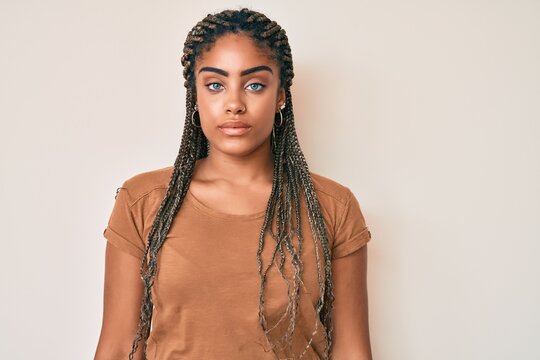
<point x="240" y="148"/>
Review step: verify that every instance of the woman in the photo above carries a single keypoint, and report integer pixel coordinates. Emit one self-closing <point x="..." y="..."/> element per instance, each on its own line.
<point x="243" y="252"/>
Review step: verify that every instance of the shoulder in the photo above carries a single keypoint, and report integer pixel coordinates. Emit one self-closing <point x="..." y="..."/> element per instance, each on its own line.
<point x="148" y="182"/>
<point x="329" y="190"/>
<point x="341" y="209"/>
<point x="339" y="206"/>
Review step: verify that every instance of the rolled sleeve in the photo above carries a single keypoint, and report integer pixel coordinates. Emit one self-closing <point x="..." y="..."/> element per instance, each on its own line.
<point x="122" y="230"/>
<point x="352" y="232"/>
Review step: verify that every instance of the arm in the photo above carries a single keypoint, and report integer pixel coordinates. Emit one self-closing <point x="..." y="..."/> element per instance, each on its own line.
<point x="121" y="305"/>
<point x="350" y="340"/>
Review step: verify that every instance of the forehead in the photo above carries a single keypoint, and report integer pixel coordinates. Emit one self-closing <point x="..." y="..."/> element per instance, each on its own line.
<point x="234" y="53"/>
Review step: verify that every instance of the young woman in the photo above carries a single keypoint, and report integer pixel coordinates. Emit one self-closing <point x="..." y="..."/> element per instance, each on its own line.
<point x="243" y="252"/>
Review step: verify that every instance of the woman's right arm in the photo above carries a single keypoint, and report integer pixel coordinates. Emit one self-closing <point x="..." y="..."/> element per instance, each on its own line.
<point x="122" y="299"/>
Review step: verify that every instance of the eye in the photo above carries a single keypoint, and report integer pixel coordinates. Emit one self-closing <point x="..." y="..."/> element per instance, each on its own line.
<point x="255" y="87"/>
<point x="214" y="86"/>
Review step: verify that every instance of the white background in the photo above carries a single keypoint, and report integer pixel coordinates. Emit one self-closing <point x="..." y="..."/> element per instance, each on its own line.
<point x="427" y="110"/>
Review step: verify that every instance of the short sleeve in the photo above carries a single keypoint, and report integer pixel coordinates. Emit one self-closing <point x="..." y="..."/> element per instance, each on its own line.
<point x="122" y="230"/>
<point x="352" y="231"/>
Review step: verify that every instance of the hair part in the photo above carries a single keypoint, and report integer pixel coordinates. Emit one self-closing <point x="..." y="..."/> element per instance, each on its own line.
<point x="291" y="179"/>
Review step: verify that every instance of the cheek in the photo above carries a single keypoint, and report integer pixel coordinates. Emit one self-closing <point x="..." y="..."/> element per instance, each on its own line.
<point x="265" y="105"/>
<point x="210" y="108"/>
<point x="209" y="121"/>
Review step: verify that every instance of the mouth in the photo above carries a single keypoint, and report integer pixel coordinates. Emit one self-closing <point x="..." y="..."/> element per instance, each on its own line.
<point x="234" y="131"/>
<point x="234" y="128"/>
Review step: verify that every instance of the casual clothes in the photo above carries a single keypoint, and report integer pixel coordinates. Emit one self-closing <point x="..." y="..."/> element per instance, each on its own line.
<point x="206" y="290"/>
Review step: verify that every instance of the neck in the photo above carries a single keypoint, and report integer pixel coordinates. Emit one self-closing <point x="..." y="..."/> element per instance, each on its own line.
<point x="255" y="167"/>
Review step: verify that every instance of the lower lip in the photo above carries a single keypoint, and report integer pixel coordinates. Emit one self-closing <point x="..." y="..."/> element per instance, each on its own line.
<point x="235" y="131"/>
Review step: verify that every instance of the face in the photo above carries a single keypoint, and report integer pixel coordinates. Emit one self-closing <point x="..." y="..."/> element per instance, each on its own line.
<point x="237" y="95"/>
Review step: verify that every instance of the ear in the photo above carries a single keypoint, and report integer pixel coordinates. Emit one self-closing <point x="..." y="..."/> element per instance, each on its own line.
<point x="281" y="98"/>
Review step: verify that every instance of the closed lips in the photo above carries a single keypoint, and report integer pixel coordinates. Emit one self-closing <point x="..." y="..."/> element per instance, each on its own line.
<point x="234" y="124"/>
<point x="235" y="129"/>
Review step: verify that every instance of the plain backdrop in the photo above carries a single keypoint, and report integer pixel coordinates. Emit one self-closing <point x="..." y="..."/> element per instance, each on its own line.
<point x="427" y="110"/>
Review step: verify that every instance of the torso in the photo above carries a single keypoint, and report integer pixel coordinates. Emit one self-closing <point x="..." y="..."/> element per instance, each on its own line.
<point x="207" y="286"/>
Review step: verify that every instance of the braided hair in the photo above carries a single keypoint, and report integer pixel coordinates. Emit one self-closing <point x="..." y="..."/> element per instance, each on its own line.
<point x="291" y="177"/>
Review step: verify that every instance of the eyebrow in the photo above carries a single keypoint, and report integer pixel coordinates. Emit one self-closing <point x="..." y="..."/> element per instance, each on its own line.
<point x="243" y="73"/>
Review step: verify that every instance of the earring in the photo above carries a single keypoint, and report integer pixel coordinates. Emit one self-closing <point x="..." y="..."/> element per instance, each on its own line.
<point x="195" y="109"/>
<point x="273" y="142"/>
<point x="280" y="118"/>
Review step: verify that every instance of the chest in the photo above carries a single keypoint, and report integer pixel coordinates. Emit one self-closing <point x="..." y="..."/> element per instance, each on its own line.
<point x="208" y="277"/>
<point x="207" y="258"/>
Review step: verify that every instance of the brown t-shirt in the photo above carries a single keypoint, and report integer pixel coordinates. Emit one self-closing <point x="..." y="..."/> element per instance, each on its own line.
<point x="207" y="288"/>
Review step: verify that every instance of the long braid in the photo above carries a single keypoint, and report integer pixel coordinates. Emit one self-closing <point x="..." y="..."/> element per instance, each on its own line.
<point x="291" y="179"/>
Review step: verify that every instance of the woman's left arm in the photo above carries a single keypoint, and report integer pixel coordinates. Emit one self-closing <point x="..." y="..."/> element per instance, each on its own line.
<point x="350" y="338"/>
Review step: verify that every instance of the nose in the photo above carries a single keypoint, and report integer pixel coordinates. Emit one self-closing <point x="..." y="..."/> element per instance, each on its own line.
<point x="235" y="105"/>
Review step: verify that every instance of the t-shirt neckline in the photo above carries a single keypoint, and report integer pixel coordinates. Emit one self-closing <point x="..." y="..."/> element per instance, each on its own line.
<point x="219" y="214"/>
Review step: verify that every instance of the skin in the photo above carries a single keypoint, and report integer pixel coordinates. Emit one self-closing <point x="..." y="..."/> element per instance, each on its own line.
<point x="350" y="313"/>
<point x="235" y="178"/>
<point x="122" y="298"/>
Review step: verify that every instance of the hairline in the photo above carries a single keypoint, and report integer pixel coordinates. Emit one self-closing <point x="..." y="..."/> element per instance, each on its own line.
<point x="265" y="49"/>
